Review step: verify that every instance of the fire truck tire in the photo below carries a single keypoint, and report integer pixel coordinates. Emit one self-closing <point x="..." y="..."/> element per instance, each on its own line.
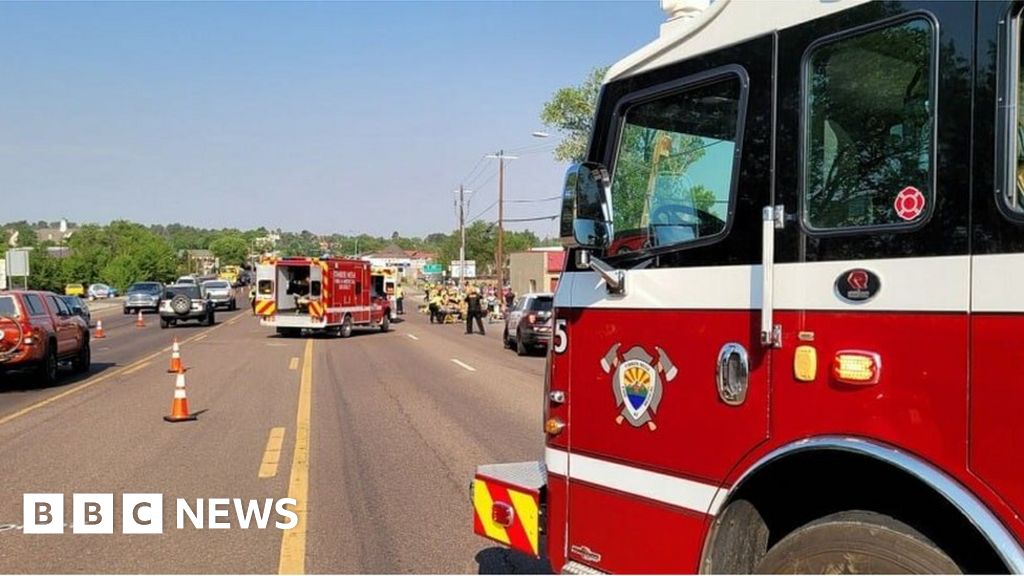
<point x="346" y="327"/>
<point x="385" y="324"/>
<point x="856" y="542"/>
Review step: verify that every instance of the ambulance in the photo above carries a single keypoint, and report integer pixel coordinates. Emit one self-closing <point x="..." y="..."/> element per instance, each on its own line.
<point x="385" y="279"/>
<point x="329" y="295"/>
<point x="789" y="335"/>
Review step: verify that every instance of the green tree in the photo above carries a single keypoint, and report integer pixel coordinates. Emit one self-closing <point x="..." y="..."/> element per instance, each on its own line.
<point x="571" y="112"/>
<point x="118" y="254"/>
<point x="231" y="249"/>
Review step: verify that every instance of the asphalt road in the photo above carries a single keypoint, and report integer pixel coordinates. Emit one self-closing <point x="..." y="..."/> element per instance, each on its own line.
<point x="379" y="435"/>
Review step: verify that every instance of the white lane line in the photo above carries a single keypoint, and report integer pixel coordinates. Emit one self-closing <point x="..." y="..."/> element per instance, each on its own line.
<point x="413" y="336"/>
<point x="464" y="365"/>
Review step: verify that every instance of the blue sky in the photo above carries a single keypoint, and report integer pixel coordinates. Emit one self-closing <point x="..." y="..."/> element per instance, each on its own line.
<point x="330" y="117"/>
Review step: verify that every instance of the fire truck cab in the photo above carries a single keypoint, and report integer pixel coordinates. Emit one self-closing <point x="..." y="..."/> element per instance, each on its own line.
<point x="333" y="295"/>
<point x="789" y="331"/>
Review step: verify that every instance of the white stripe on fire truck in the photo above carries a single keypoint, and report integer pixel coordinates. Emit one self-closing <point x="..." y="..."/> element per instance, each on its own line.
<point x="934" y="284"/>
<point x="680" y="492"/>
<point x="996" y="283"/>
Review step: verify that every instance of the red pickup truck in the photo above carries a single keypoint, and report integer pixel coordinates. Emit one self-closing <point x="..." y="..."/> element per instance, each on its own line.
<point x="38" y="330"/>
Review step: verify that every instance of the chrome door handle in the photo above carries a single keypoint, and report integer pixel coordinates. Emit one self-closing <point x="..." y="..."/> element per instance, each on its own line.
<point x="733" y="374"/>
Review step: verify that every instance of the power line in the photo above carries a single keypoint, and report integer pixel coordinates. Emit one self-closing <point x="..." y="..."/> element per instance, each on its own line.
<point x="484" y="211"/>
<point x="533" y="200"/>
<point x="537" y="219"/>
<point x="472" y="173"/>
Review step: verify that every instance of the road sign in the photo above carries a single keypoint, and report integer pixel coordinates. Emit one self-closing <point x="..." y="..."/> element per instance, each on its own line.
<point x="470" y="269"/>
<point x="17" y="263"/>
<point x="433" y="269"/>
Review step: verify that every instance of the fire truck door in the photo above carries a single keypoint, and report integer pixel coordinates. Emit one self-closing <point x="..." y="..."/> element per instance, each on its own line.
<point x="872" y="273"/>
<point x="669" y="385"/>
<point x="997" y="298"/>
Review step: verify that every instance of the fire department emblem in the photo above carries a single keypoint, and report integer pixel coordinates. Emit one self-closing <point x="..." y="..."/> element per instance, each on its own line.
<point x="637" y="383"/>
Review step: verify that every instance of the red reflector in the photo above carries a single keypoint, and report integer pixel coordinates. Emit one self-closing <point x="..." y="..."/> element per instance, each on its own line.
<point x="502" y="514"/>
<point x="857" y="367"/>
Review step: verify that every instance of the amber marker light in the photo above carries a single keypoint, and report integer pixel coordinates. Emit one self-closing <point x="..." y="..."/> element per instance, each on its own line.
<point x="554" y="426"/>
<point x="857" y="367"/>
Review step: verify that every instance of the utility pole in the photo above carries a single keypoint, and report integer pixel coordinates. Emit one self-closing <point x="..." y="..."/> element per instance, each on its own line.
<point x="500" y="255"/>
<point x="462" y="234"/>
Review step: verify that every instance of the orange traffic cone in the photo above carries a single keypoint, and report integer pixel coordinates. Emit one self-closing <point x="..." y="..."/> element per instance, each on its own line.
<point x="99" y="330"/>
<point x="139" y="321"/>
<point x="176" y="366"/>
<point x="179" y="407"/>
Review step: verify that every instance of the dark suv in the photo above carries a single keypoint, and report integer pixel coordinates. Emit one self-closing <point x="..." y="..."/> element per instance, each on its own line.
<point x="183" y="302"/>
<point x="528" y="324"/>
<point x="39" y="330"/>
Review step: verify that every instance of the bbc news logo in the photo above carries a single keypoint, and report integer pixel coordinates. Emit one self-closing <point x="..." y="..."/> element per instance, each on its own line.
<point x="144" y="513"/>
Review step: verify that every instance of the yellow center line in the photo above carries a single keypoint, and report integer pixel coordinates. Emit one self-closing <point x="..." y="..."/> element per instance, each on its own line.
<point x="137" y="367"/>
<point x="272" y="453"/>
<point x="200" y="337"/>
<point x="293" y="541"/>
<point x="293" y="364"/>
<point x="97" y="379"/>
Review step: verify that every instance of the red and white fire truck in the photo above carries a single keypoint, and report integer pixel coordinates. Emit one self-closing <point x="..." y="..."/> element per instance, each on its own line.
<point x="790" y="329"/>
<point x="331" y="295"/>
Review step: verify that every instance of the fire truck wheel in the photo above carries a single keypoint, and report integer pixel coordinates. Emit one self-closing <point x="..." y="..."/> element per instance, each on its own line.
<point x="346" y="327"/>
<point x="856" y="542"/>
<point x="385" y="324"/>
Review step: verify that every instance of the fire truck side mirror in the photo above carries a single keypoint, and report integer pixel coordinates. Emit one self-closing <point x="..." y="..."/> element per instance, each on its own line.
<point x="586" y="207"/>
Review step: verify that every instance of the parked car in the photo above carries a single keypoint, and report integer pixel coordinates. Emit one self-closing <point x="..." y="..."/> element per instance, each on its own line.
<point x="187" y="280"/>
<point x="79" y="308"/>
<point x="184" y="302"/>
<point x="98" y="291"/>
<point x="74" y="290"/>
<point x="220" y="293"/>
<point x="528" y="324"/>
<point x="143" y="296"/>
<point x="39" y="331"/>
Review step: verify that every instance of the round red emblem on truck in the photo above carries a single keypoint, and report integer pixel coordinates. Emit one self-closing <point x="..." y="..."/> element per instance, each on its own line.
<point x="909" y="203"/>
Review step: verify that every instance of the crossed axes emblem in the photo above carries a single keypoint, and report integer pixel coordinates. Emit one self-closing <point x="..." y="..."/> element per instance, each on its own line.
<point x="636" y="358"/>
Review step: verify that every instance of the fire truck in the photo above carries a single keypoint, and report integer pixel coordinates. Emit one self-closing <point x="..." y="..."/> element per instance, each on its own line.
<point x="332" y="295"/>
<point x="790" y="328"/>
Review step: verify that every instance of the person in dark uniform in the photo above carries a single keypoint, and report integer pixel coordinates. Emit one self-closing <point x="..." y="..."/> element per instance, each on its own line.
<point x="474" y="310"/>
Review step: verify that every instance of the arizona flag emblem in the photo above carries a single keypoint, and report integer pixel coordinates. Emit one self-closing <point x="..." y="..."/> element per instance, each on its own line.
<point x="637" y="383"/>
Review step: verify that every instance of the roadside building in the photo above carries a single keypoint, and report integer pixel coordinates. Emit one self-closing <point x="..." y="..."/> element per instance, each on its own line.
<point x="392" y="256"/>
<point x="54" y="235"/>
<point x="536" y="270"/>
<point x="200" y="262"/>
